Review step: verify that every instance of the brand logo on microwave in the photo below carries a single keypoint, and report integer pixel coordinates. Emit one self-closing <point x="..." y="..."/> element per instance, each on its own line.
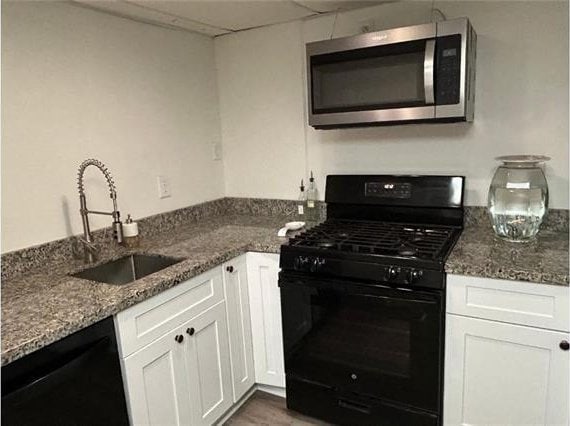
<point x="380" y="37"/>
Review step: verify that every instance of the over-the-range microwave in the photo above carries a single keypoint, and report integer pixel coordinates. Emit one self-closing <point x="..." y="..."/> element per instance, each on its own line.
<point x="403" y="75"/>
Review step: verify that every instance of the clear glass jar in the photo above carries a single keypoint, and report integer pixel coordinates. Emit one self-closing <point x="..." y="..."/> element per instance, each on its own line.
<point x="518" y="197"/>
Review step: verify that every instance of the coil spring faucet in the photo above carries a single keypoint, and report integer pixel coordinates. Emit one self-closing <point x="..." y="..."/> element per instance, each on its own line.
<point x="117" y="225"/>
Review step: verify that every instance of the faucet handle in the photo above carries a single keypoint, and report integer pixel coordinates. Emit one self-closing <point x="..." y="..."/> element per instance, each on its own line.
<point x="118" y="230"/>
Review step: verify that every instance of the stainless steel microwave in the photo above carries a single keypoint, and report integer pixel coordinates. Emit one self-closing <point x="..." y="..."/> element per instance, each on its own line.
<point x="403" y="75"/>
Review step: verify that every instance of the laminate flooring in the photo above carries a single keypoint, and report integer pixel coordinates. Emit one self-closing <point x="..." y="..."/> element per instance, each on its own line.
<point x="266" y="409"/>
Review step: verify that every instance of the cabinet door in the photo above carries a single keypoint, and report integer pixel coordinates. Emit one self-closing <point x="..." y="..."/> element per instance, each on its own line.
<point x="497" y="373"/>
<point x="156" y="384"/>
<point x="208" y="366"/>
<point x="265" y="306"/>
<point x="239" y="326"/>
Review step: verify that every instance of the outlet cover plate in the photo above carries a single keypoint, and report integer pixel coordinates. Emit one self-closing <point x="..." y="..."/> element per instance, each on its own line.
<point x="164" y="190"/>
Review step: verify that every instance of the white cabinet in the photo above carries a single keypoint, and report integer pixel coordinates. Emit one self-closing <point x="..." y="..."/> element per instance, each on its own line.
<point x="208" y="366"/>
<point x="265" y="306"/>
<point x="504" y="373"/>
<point x="239" y="326"/>
<point x="183" y="376"/>
<point x="156" y="383"/>
<point x="189" y="353"/>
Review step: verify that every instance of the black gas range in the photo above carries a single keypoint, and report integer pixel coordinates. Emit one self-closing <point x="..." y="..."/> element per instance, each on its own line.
<point x="363" y="300"/>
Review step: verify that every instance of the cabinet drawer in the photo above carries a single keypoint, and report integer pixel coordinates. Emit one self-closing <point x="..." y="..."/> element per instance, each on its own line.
<point x="145" y="322"/>
<point x="515" y="302"/>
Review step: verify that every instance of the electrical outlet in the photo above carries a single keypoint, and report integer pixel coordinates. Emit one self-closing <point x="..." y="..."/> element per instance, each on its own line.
<point x="163" y="187"/>
<point x="216" y="151"/>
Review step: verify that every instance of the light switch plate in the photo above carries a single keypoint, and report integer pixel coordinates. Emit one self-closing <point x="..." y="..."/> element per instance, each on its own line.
<point x="164" y="190"/>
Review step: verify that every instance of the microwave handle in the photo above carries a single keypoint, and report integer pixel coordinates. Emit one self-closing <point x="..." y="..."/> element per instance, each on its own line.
<point x="428" y="71"/>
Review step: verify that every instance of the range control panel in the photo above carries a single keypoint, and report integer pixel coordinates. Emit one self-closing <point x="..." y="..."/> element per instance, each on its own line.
<point x="393" y="274"/>
<point x="388" y="190"/>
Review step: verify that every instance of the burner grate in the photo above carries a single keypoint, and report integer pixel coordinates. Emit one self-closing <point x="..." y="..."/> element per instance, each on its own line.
<point x="377" y="238"/>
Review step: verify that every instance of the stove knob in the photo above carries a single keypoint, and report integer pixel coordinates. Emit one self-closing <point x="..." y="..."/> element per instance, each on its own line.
<point x="300" y="263"/>
<point x="392" y="273"/>
<point x="297" y="263"/>
<point x="314" y="265"/>
<point x="413" y="276"/>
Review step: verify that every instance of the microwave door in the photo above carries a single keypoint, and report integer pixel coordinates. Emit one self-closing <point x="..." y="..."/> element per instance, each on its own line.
<point x="382" y="83"/>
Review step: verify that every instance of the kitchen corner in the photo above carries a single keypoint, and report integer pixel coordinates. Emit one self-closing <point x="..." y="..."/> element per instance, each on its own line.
<point x="58" y="304"/>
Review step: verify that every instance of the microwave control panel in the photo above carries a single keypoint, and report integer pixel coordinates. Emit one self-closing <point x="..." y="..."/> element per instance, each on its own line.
<point x="448" y="66"/>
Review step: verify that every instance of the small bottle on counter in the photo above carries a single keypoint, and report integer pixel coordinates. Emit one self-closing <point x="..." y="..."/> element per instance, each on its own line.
<point x="312" y="210"/>
<point x="131" y="237"/>
<point x="301" y="202"/>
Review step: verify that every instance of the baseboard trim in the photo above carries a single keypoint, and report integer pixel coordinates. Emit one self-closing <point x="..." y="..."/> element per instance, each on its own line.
<point x="236" y="406"/>
<point x="273" y="390"/>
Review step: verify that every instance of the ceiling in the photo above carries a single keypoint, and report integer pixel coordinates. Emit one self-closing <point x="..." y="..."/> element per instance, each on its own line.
<point x="217" y="17"/>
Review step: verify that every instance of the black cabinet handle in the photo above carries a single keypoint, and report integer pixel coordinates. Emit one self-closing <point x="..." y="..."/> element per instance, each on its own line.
<point x="190" y="331"/>
<point x="564" y="345"/>
<point x="230" y="269"/>
<point x="179" y="338"/>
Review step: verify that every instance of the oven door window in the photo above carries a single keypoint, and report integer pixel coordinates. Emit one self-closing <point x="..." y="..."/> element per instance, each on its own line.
<point x="376" y="341"/>
<point x="374" y="78"/>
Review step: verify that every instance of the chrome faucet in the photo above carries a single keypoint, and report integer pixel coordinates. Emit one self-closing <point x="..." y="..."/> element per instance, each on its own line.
<point x="87" y="240"/>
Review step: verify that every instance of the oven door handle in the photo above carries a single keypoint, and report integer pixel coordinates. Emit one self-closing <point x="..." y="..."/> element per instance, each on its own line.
<point x="401" y="299"/>
<point x="429" y="63"/>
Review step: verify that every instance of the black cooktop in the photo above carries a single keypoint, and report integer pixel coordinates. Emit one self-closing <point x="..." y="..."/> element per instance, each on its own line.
<point x="379" y="238"/>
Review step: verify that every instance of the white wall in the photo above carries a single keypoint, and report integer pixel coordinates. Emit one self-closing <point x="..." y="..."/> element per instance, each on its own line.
<point x="521" y="103"/>
<point x="78" y="84"/>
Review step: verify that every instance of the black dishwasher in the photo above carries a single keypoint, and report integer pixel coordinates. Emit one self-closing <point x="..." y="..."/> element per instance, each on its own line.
<point x="74" y="381"/>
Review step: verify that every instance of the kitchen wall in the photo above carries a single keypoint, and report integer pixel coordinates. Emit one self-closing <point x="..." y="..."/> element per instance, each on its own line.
<point x="521" y="103"/>
<point x="78" y="84"/>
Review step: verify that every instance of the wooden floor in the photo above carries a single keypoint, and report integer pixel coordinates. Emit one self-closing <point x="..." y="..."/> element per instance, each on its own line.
<point x="266" y="409"/>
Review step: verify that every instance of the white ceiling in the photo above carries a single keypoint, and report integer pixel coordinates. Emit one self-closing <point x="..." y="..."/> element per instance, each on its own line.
<point x="217" y="17"/>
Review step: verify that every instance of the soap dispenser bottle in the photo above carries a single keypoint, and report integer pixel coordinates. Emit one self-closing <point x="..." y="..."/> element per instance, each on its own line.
<point x="131" y="237"/>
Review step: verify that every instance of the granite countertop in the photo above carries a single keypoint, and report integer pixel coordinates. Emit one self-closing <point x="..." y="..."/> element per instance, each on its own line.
<point x="480" y="253"/>
<point x="47" y="304"/>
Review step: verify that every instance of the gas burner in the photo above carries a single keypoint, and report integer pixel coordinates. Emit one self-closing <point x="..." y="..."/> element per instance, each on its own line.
<point x="325" y="244"/>
<point x="406" y="250"/>
<point x="376" y="238"/>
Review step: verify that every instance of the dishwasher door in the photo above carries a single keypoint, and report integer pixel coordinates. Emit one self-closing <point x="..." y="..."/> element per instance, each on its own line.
<point x="75" y="381"/>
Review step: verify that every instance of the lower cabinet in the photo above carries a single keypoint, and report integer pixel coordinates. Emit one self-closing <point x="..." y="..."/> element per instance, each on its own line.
<point x="208" y="366"/>
<point x="239" y="326"/>
<point x="504" y="374"/>
<point x="501" y="373"/>
<point x="265" y="302"/>
<point x="183" y="378"/>
<point x="188" y="352"/>
<point x="156" y="384"/>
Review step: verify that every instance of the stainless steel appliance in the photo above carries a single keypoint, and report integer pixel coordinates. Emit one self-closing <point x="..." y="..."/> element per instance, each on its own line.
<point x="363" y="301"/>
<point x="403" y="75"/>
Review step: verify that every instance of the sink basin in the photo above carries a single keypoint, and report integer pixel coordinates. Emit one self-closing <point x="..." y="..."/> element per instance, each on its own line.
<point x="127" y="269"/>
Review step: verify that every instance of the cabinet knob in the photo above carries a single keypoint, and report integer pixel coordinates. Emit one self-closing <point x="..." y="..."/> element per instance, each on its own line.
<point x="230" y="269"/>
<point x="190" y="331"/>
<point x="179" y="338"/>
<point x="564" y="345"/>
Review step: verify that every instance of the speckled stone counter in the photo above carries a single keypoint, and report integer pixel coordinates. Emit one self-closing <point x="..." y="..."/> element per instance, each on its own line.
<point x="44" y="305"/>
<point x="41" y="303"/>
<point x="480" y="253"/>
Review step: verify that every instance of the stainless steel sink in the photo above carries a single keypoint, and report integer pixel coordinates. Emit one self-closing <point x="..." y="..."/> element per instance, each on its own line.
<point x="127" y="269"/>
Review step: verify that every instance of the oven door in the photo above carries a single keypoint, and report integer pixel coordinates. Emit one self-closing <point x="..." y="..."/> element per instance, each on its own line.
<point x="378" y="77"/>
<point x="371" y="340"/>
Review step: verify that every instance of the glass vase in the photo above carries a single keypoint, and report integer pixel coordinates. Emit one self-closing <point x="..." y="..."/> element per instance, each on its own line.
<point x="518" y="197"/>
